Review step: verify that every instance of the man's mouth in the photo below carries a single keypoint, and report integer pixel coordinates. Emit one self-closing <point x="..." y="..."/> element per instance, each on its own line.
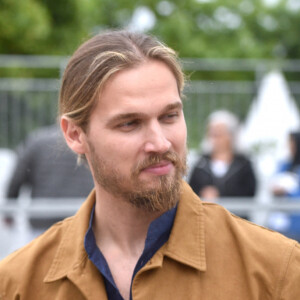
<point x="162" y="168"/>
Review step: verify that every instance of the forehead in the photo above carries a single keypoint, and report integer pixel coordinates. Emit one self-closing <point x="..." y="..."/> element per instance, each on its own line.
<point x="145" y="87"/>
<point x="218" y="127"/>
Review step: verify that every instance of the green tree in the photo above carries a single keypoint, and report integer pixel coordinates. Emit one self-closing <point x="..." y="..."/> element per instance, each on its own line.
<point x="70" y="23"/>
<point x="25" y="25"/>
<point x="44" y="26"/>
<point x="195" y="28"/>
<point x="229" y="28"/>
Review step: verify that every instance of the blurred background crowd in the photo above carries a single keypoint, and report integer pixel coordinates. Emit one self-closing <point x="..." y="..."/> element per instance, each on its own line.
<point x="241" y="104"/>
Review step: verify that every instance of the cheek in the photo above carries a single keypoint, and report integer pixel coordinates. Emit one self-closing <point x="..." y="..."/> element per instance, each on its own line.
<point x="179" y="139"/>
<point x="228" y="140"/>
<point x="124" y="149"/>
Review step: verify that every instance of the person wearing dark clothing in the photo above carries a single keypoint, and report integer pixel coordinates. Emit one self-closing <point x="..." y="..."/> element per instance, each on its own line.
<point x="222" y="171"/>
<point x="289" y="168"/>
<point x="49" y="169"/>
<point x="238" y="181"/>
<point x="286" y="183"/>
<point x="294" y="142"/>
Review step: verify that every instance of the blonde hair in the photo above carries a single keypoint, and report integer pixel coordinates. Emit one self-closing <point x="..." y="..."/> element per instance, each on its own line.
<point x="95" y="61"/>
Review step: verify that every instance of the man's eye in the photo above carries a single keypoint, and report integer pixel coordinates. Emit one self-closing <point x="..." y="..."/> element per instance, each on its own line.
<point x="171" y="116"/>
<point x="129" y="125"/>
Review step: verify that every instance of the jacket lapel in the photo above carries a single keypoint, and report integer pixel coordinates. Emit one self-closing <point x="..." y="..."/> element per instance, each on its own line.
<point x="71" y="260"/>
<point x="187" y="240"/>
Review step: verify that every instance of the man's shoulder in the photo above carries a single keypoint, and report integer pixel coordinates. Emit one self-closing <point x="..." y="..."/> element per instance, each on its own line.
<point x="253" y="261"/>
<point x="36" y="257"/>
<point x="49" y="258"/>
<point x="221" y="223"/>
<point x="243" y="234"/>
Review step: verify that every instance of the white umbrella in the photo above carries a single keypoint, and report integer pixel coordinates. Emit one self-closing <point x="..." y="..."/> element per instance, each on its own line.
<point x="272" y="116"/>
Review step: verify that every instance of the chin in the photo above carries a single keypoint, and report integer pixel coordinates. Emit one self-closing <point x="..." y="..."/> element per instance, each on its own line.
<point x="154" y="181"/>
<point x="149" y="183"/>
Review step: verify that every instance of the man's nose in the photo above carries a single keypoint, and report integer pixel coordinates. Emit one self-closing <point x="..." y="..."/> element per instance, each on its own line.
<point x="155" y="139"/>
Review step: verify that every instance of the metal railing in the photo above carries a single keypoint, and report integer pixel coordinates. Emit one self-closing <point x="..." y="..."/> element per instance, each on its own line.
<point x="65" y="207"/>
<point x="14" y="237"/>
<point x="43" y="208"/>
<point x="28" y="103"/>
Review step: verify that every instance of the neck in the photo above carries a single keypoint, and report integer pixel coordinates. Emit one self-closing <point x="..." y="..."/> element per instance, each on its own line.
<point x="224" y="155"/>
<point x="119" y="224"/>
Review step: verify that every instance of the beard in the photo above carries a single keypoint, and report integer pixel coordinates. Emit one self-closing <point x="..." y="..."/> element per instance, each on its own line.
<point x="157" y="194"/>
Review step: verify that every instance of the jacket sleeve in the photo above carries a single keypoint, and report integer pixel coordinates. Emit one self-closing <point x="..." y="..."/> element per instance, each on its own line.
<point x="289" y="285"/>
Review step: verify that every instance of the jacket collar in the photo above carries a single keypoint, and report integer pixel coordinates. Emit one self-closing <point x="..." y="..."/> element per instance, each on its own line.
<point x="185" y="245"/>
<point x="71" y="254"/>
<point x="187" y="240"/>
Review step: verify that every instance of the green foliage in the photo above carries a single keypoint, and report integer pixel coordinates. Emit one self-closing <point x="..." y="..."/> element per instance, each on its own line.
<point x="195" y="28"/>
<point x="24" y="26"/>
<point x="230" y="28"/>
<point x="44" y="26"/>
<point x="69" y="24"/>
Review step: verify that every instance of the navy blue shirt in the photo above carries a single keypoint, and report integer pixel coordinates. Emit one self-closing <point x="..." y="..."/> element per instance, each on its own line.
<point x="158" y="233"/>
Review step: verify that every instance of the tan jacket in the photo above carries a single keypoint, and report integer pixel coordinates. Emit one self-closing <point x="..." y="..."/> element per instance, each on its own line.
<point x="210" y="255"/>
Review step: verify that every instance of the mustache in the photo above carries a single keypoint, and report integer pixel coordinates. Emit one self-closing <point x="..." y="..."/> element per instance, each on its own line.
<point x="156" y="159"/>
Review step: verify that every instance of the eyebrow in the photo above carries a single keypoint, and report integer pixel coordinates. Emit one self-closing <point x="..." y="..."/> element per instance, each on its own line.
<point x="126" y="116"/>
<point x="176" y="105"/>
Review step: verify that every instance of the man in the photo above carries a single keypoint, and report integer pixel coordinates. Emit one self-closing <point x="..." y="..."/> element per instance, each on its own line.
<point x="222" y="170"/>
<point x="142" y="233"/>
<point x="48" y="168"/>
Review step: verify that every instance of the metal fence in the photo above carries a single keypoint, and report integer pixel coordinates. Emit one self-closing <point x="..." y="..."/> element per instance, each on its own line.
<point x="28" y="103"/>
<point x="65" y="207"/>
<point x="16" y="236"/>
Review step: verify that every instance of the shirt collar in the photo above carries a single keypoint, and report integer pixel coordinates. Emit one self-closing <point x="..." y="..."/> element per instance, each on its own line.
<point x="157" y="234"/>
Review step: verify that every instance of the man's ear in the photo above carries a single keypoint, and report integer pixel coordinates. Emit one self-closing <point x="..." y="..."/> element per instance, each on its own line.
<point x="74" y="135"/>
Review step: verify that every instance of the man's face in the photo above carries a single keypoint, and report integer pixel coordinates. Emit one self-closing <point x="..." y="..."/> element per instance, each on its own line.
<point x="137" y="137"/>
<point x="219" y="137"/>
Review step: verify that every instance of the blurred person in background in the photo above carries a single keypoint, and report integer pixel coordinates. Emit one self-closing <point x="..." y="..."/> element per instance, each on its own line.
<point x="286" y="183"/>
<point x="221" y="170"/>
<point x="47" y="168"/>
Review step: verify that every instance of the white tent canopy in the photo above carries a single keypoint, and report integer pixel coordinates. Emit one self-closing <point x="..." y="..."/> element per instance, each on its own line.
<point x="272" y="116"/>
